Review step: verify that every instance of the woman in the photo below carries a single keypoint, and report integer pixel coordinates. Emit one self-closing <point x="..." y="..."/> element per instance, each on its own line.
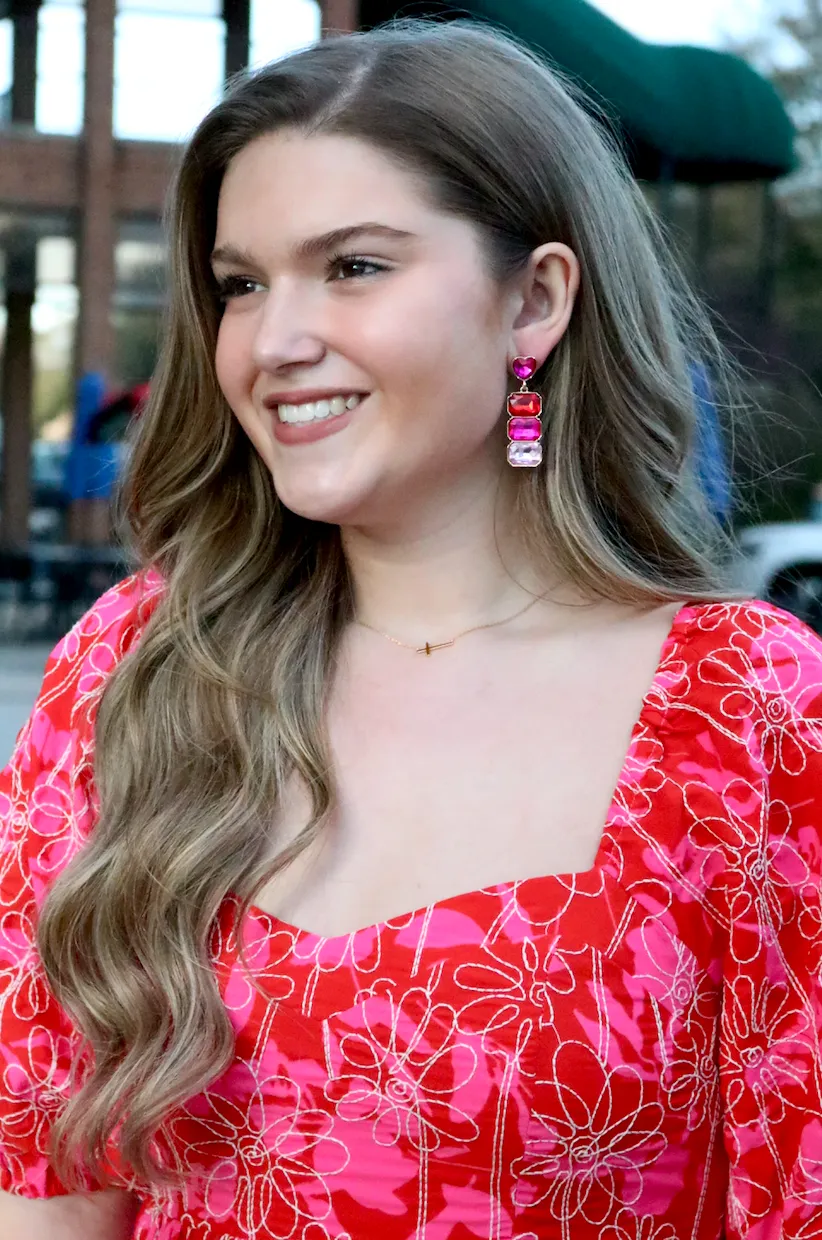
<point x="304" y="855"/>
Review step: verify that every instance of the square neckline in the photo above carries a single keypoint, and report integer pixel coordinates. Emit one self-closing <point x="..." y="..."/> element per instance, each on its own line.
<point x="643" y="723"/>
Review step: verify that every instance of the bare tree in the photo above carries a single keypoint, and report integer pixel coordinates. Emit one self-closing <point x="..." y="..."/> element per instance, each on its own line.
<point x="788" y="51"/>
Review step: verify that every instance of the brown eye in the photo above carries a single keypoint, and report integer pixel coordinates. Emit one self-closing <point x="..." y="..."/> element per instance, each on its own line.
<point x="348" y="262"/>
<point x="235" y="286"/>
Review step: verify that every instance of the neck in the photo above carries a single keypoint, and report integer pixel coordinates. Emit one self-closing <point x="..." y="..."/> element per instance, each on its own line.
<point x="427" y="579"/>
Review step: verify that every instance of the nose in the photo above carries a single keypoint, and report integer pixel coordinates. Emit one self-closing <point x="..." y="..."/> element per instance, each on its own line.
<point x="285" y="334"/>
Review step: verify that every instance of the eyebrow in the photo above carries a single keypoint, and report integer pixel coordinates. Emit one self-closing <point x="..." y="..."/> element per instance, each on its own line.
<point x="314" y="247"/>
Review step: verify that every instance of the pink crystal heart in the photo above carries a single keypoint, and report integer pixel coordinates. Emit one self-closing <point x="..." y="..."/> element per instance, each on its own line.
<point x="524" y="367"/>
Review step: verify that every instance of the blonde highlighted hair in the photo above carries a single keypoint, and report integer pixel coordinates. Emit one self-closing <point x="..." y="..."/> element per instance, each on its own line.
<point x="223" y="699"/>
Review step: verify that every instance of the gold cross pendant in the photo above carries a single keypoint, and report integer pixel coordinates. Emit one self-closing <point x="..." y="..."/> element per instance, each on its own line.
<point x="428" y="648"/>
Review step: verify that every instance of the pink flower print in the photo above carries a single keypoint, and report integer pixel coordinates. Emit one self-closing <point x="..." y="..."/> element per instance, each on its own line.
<point x="765" y="1049"/>
<point x="23" y="983"/>
<point x="499" y="995"/>
<point x="257" y="1156"/>
<point x="644" y="776"/>
<point x="752" y="620"/>
<point x="26" y="1111"/>
<point x="318" y="1231"/>
<point x="54" y="746"/>
<point x="268" y="951"/>
<point x="772" y="700"/>
<point x="52" y="823"/>
<point x="810" y="916"/>
<point x="808" y="1174"/>
<point x="748" y="854"/>
<point x="630" y="1226"/>
<point x="550" y="979"/>
<point x="95" y="670"/>
<point x="405" y="1070"/>
<point x="747" y="1203"/>
<point x="691" y="1076"/>
<point x="592" y="1142"/>
<point x="501" y="987"/>
<point x="668" y="970"/>
<point x="518" y="920"/>
<point x="672" y="683"/>
<point x="806" y="1185"/>
<point x="33" y="1090"/>
<point x="361" y="951"/>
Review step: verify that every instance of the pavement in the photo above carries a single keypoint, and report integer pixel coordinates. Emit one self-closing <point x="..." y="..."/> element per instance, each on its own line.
<point x="21" y="673"/>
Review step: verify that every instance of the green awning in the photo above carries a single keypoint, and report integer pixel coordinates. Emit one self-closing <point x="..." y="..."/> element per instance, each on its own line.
<point x="686" y="113"/>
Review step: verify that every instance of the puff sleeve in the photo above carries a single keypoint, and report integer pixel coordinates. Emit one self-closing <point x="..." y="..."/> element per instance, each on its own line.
<point x="47" y="808"/>
<point x="769" y="889"/>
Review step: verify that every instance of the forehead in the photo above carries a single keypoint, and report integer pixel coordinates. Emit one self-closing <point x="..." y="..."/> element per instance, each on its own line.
<point x="308" y="184"/>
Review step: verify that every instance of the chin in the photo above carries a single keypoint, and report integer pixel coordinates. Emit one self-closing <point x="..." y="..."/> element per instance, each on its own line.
<point x="332" y="505"/>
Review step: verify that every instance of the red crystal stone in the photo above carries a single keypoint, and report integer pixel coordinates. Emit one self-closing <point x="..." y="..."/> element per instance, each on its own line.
<point x="524" y="367"/>
<point x="524" y="428"/>
<point x="525" y="404"/>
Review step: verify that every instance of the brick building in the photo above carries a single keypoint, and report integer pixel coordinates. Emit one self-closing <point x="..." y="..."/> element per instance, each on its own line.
<point x="92" y="187"/>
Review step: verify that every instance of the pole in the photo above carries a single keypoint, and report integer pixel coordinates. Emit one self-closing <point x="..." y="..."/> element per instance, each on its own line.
<point x="339" y="16"/>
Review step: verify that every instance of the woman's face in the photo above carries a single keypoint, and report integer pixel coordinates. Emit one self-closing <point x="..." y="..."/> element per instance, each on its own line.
<point x="342" y="283"/>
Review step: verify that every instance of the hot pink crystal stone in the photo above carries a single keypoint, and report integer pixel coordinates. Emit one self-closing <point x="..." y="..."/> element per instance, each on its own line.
<point x="524" y="428"/>
<point x="524" y="367"/>
<point x="525" y="404"/>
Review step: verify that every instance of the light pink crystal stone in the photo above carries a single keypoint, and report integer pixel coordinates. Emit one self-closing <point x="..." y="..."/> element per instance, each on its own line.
<point x="521" y="454"/>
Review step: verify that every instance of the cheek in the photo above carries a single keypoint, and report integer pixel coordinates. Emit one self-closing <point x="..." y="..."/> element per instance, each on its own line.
<point x="456" y="344"/>
<point x="235" y="379"/>
<point x="231" y="363"/>
<point x="427" y="326"/>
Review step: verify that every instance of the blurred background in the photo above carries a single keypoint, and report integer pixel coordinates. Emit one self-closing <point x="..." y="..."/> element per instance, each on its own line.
<point x="718" y="104"/>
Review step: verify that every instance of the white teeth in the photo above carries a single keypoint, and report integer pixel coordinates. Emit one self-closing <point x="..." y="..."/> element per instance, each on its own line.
<point x="314" y="411"/>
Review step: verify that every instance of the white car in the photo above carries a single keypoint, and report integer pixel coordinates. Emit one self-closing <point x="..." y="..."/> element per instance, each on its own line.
<point x="783" y="564"/>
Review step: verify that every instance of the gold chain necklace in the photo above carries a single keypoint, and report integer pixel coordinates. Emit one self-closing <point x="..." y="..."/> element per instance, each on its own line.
<point x="428" y="648"/>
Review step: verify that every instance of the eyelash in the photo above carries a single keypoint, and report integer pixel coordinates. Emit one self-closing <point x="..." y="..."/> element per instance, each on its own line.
<point x="231" y="286"/>
<point x="338" y="260"/>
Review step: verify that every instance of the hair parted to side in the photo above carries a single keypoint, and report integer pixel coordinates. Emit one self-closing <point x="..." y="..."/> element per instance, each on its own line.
<point x="223" y="698"/>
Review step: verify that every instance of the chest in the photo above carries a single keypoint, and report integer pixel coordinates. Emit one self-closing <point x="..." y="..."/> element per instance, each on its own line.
<point x="560" y="1046"/>
<point x="499" y="764"/>
<point x="452" y="777"/>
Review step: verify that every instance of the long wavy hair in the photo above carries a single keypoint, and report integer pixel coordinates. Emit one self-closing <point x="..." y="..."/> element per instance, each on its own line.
<point x="223" y="698"/>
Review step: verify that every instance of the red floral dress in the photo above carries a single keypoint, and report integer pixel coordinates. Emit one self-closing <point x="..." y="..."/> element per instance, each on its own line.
<point x="631" y="1053"/>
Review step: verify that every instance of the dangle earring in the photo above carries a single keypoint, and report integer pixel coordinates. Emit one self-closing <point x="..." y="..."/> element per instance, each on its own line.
<point x="524" y="409"/>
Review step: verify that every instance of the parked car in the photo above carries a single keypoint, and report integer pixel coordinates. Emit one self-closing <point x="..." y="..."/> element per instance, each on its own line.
<point x="782" y="563"/>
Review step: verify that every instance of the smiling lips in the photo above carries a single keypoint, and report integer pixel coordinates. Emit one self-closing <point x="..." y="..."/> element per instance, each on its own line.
<point x="313" y="419"/>
<point x="315" y="411"/>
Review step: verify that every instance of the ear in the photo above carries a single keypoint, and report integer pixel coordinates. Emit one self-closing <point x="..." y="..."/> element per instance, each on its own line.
<point x="546" y="295"/>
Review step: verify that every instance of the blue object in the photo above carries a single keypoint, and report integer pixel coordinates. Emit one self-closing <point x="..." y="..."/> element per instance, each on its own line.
<point x="91" y="469"/>
<point x="712" y="465"/>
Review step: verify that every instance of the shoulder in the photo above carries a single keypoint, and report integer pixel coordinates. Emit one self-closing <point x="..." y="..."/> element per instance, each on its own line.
<point x="753" y="673"/>
<point x="107" y="631"/>
<point x="46" y="789"/>
<point x="748" y="623"/>
<point x="80" y="664"/>
<point x="48" y="807"/>
<point x="740" y="698"/>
